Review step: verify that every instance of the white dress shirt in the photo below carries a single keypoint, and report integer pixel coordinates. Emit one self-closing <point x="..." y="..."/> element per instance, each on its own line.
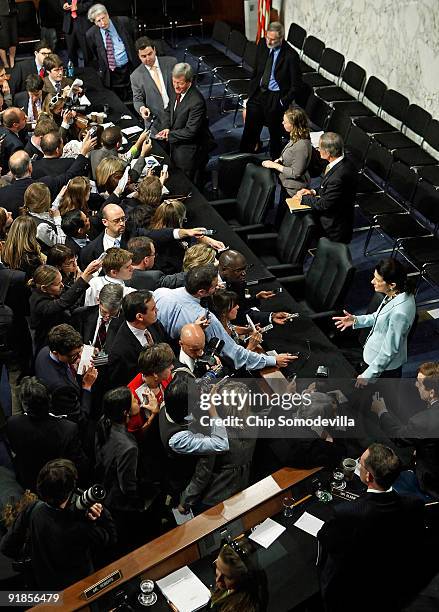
<point x="109" y="241"/>
<point x="138" y="333"/>
<point x="96" y="284"/>
<point x="186" y="360"/>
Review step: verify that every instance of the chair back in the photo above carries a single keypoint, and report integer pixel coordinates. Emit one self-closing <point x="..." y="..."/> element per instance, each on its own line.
<point x="294" y="238"/>
<point x="329" y="276"/>
<point x="231" y="167"/>
<point x="255" y="195"/>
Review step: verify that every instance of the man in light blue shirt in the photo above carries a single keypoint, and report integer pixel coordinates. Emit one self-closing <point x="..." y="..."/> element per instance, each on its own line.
<point x="176" y="307"/>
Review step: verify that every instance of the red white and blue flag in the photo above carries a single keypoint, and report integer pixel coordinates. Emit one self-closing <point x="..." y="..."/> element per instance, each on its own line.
<point x="264" y="7"/>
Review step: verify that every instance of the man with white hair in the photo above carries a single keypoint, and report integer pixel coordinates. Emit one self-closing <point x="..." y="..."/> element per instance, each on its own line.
<point x="111" y="42"/>
<point x="185" y="123"/>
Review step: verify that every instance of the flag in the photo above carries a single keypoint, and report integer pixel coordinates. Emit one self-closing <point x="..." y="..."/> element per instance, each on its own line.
<point x="264" y="7"/>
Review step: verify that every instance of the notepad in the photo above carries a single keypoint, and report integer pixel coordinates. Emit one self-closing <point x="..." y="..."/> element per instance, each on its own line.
<point x="294" y="204"/>
<point x="267" y="532"/>
<point x="184" y="590"/>
<point x="309" y="523"/>
<point x="86" y="358"/>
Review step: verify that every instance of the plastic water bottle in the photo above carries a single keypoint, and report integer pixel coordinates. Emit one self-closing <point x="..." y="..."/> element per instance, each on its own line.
<point x="70" y="70"/>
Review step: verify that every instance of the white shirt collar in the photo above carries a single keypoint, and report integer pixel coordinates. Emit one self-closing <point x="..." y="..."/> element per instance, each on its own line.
<point x="186" y="360"/>
<point x="376" y="490"/>
<point x="109" y="241"/>
<point x="138" y="333"/>
<point x="334" y="162"/>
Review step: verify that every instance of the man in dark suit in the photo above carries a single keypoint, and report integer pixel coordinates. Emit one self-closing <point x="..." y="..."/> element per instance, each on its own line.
<point x="113" y="219"/>
<point x="333" y="203"/>
<point x="275" y="85"/>
<point x="15" y="135"/>
<point x="151" y="82"/>
<point x="143" y="250"/>
<point x="111" y="42"/>
<point x="52" y="164"/>
<point x="140" y="329"/>
<point x="185" y="123"/>
<point x="31" y="100"/>
<point x="378" y="538"/>
<point x="417" y="433"/>
<point x="75" y="26"/>
<point x="76" y="225"/>
<point x="37" y="437"/>
<point x="11" y="197"/>
<point x="30" y="66"/>
<point x="55" y="366"/>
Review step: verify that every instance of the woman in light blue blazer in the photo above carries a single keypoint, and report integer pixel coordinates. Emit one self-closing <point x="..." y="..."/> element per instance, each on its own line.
<point x="385" y="349"/>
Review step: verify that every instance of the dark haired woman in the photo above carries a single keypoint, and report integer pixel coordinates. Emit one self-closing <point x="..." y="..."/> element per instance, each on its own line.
<point x="116" y="468"/>
<point x="385" y="350"/>
<point x="239" y="583"/>
<point x="225" y="305"/>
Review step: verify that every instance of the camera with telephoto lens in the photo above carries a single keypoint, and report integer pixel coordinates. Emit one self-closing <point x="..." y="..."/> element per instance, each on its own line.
<point x="207" y="366"/>
<point x="70" y="104"/>
<point x="83" y="500"/>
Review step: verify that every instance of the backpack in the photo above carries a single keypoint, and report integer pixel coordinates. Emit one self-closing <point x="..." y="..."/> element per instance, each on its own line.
<point x="6" y="316"/>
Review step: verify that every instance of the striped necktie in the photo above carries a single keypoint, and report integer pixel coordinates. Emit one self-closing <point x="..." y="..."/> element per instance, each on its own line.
<point x="110" y="51"/>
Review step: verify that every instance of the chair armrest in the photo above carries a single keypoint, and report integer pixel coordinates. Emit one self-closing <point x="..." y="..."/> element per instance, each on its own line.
<point x="263" y="242"/>
<point x="224" y="207"/>
<point x="326" y="314"/>
<point x="282" y="269"/>
<point x="248" y="229"/>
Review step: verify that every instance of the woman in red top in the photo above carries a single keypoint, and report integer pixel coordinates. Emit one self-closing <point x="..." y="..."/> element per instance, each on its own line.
<point x="155" y="365"/>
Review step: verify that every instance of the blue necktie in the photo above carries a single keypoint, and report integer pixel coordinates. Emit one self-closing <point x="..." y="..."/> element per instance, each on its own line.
<point x="117" y="243"/>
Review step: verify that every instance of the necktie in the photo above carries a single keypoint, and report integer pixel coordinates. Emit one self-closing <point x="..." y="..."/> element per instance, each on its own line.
<point x="326" y="170"/>
<point x="110" y="51"/>
<point x="117" y="243"/>
<point x="58" y="87"/>
<point x="149" y="340"/>
<point x="267" y="71"/>
<point x="156" y="78"/>
<point x="71" y="372"/>
<point x="34" y="111"/>
<point x="177" y="100"/>
<point x="74" y="7"/>
<point x="42" y="72"/>
<point x="102" y="334"/>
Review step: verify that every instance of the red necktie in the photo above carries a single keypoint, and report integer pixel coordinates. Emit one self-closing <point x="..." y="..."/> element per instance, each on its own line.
<point x="102" y="334"/>
<point x="74" y="7"/>
<point x="110" y="51"/>
<point x="177" y="100"/>
<point x="42" y="72"/>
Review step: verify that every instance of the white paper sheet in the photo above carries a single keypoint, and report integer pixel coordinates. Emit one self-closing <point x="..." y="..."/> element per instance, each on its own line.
<point x="315" y="137"/>
<point x="86" y="357"/>
<point x="267" y="532"/>
<point x="184" y="590"/>
<point x="309" y="523"/>
<point x="133" y="129"/>
<point x="181" y="518"/>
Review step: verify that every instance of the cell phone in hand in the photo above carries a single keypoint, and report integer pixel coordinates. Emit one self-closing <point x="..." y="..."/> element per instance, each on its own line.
<point x="101" y="256"/>
<point x="207" y="314"/>
<point x="165" y="168"/>
<point x="93" y="131"/>
<point x="208" y="232"/>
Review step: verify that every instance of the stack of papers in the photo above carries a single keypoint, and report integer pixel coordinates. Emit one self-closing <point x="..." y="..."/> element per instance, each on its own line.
<point x="266" y="533"/>
<point x="309" y="523"/>
<point x="184" y="590"/>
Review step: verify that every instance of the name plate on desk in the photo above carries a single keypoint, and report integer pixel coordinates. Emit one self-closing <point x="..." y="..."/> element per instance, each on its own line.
<point x="102" y="584"/>
<point x="348" y="495"/>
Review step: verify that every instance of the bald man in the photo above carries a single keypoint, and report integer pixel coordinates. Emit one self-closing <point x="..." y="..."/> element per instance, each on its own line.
<point x="192" y="342"/>
<point x="232" y="272"/>
<point x="113" y="220"/>
<point x="15" y="135"/>
<point x="52" y="163"/>
<point x="12" y="196"/>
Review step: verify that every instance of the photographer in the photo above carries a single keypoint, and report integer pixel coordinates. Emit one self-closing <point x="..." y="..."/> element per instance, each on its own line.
<point x="195" y="356"/>
<point x="61" y="538"/>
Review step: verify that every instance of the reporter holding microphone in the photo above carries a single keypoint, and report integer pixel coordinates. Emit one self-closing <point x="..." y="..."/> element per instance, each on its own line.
<point x="385" y="349"/>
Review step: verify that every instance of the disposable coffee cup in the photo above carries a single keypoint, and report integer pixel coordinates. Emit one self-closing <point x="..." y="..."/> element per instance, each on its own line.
<point x="349" y="466"/>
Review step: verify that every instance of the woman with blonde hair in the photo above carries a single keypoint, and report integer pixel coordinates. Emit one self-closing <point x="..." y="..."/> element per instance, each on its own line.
<point x="76" y="196"/>
<point x="21" y="250"/>
<point x="198" y="255"/>
<point x="37" y="202"/>
<point x="108" y="173"/>
<point x="295" y="158"/>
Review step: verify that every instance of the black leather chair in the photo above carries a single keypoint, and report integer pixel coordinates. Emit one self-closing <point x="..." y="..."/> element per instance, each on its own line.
<point x="231" y="168"/>
<point x="247" y="211"/>
<point x="331" y="66"/>
<point x="321" y="291"/>
<point x="351" y="85"/>
<point x="284" y="252"/>
<point x="373" y="95"/>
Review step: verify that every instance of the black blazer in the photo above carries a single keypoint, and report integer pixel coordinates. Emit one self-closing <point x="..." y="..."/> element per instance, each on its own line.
<point x="154" y="279"/>
<point x="35" y="442"/>
<point x="382" y="533"/>
<point x="93" y="249"/>
<point x="125" y="350"/>
<point x="19" y="74"/>
<point x="46" y="311"/>
<point x="189" y="137"/>
<point x="12" y="142"/>
<point x="333" y="206"/>
<point x="32" y="150"/>
<point x="287" y="73"/>
<point x="51" y="166"/>
<point x="67" y="396"/>
<point x="73" y="245"/>
<point x="12" y="196"/>
<point x="85" y="320"/>
<point x="17" y="298"/>
<point x="81" y="10"/>
<point x="126" y="31"/>
<point x="417" y="433"/>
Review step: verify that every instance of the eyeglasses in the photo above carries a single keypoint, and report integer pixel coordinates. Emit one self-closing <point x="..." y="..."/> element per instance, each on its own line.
<point x="118" y="220"/>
